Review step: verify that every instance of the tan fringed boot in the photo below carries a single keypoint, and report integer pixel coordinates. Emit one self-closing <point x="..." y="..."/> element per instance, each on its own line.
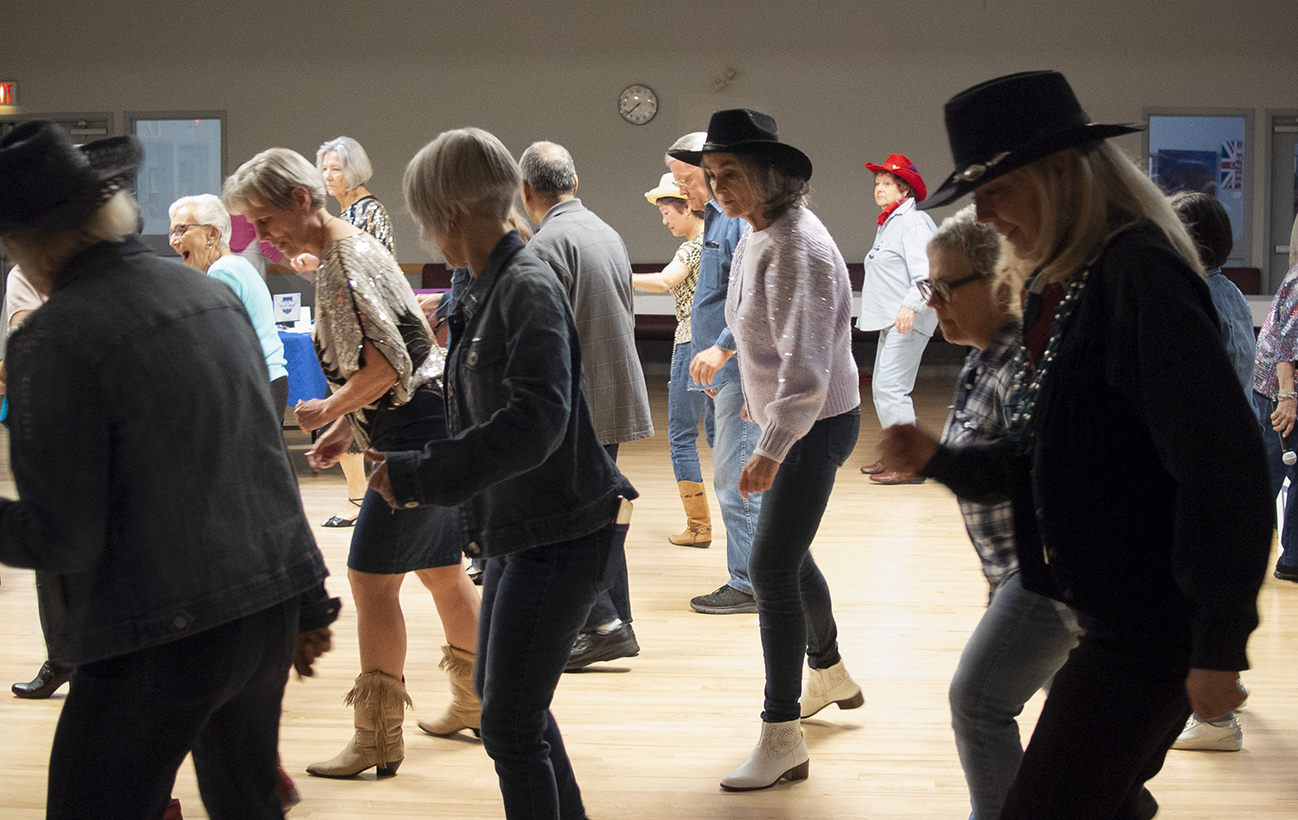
<point x="465" y="710"/>
<point x="698" y="522"/>
<point x="380" y="703"/>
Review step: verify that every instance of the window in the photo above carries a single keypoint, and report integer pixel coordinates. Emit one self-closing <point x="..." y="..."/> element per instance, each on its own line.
<point x="184" y="154"/>
<point x="1209" y="151"/>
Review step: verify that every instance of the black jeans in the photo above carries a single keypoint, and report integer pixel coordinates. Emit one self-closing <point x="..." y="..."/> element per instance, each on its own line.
<point x="129" y="721"/>
<point x="1112" y="712"/>
<point x="533" y="603"/>
<point x="614" y="599"/>
<point x="793" y="604"/>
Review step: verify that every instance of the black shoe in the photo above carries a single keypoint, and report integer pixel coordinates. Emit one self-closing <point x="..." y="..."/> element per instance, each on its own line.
<point x="593" y="647"/>
<point x="47" y="681"/>
<point x="1285" y="573"/>
<point x="475" y="575"/>
<point x="726" y="600"/>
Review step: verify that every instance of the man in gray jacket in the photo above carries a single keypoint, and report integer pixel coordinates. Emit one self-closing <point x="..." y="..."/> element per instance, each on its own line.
<point x="591" y="262"/>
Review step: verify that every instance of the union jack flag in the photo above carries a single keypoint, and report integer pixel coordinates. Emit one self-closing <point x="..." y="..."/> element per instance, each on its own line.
<point x="1232" y="164"/>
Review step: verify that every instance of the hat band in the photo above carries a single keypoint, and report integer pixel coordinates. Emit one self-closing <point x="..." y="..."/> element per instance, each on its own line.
<point x="978" y="170"/>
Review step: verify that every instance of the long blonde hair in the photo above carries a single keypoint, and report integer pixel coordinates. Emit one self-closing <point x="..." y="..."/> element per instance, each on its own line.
<point x="1089" y="194"/>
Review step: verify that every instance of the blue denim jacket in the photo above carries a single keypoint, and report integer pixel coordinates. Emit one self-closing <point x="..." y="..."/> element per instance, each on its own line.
<point x="721" y="234"/>
<point x="154" y="479"/>
<point x="522" y="460"/>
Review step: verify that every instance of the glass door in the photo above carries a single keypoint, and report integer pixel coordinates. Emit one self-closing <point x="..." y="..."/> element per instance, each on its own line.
<point x="1284" y="195"/>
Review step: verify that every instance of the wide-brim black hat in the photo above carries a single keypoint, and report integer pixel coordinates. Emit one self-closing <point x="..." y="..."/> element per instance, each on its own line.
<point x="743" y="131"/>
<point x="47" y="183"/>
<point x="1006" y="123"/>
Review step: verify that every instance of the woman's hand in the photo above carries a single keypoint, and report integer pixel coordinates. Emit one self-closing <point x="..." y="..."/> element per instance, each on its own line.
<point x="1282" y="420"/>
<point x="326" y="450"/>
<point x="379" y="481"/>
<point x="758" y="475"/>
<point x="312" y="414"/>
<point x="428" y="302"/>
<point x="706" y="364"/>
<point x="906" y="448"/>
<point x="1213" y="693"/>
<point x="905" y="320"/>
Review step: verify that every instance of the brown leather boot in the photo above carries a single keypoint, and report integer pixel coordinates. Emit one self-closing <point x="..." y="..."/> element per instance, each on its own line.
<point x="698" y="522"/>
<point x="380" y="703"/>
<point x="465" y="710"/>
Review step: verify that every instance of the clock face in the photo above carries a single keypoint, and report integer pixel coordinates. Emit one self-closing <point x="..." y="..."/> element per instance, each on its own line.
<point x="638" y="104"/>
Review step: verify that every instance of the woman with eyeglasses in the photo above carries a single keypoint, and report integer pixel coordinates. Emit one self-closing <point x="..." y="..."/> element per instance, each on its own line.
<point x="200" y="233"/>
<point x="1134" y="463"/>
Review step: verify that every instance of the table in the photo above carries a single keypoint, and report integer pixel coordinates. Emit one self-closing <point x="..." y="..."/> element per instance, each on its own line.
<point x="305" y="378"/>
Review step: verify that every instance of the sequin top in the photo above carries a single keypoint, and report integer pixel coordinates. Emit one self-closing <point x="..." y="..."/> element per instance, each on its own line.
<point x="683" y="291"/>
<point x="361" y="295"/>
<point x="368" y="214"/>
<point x="1278" y="339"/>
<point x="790" y="310"/>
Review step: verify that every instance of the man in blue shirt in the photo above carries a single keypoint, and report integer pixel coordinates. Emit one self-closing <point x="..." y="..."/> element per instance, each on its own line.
<point x="714" y="372"/>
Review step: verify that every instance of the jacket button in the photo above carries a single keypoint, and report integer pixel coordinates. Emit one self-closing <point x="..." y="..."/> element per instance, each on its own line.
<point x="179" y="623"/>
<point x="473" y="548"/>
<point x="410" y="505"/>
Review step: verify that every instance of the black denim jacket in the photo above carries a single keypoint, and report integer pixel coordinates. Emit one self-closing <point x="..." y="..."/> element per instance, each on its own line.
<point x="522" y="461"/>
<point x="154" y="479"/>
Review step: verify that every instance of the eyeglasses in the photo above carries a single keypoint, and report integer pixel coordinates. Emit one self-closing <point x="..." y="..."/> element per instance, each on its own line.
<point x="179" y="230"/>
<point x="940" y="289"/>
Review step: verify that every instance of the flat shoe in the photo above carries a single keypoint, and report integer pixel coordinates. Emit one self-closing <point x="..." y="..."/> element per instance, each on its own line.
<point x="872" y="469"/>
<point x="337" y="521"/>
<point x="894" y="477"/>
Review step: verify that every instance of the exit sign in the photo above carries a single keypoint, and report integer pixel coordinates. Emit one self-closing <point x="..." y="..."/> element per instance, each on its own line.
<point x="8" y="93"/>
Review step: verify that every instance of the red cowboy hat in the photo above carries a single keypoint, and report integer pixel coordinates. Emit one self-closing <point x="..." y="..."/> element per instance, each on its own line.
<point x="904" y="168"/>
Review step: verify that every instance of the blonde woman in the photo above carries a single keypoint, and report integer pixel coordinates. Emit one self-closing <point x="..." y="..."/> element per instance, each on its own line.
<point x="1134" y="462"/>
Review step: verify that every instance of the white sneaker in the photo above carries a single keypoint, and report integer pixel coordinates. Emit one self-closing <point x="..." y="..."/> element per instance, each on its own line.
<point x="1203" y="736"/>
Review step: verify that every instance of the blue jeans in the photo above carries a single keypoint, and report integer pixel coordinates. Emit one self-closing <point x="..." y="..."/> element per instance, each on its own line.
<point x="1017" y="647"/>
<point x="1279" y="472"/>
<point x="533" y="603"/>
<point x="129" y="721"/>
<point x="794" y="609"/>
<point x="684" y="406"/>
<point x="896" y="361"/>
<point x="735" y="440"/>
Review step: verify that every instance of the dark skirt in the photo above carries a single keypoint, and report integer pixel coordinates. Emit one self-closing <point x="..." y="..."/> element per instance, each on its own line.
<point x="387" y="541"/>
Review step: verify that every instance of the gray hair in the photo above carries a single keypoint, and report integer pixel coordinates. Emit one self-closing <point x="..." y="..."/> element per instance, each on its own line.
<point x="462" y="172"/>
<point x="776" y="191"/>
<point x="208" y="210"/>
<point x="268" y="180"/>
<point x="548" y="168"/>
<point x="692" y="141"/>
<point x="976" y="241"/>
<point x="351" y="156"/>
<point x="43" y="253"/>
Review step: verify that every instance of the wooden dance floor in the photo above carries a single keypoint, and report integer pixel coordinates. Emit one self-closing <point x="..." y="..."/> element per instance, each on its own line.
<point x="651" y="736"/>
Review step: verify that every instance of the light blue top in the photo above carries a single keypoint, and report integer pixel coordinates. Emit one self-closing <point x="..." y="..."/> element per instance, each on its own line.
<point x="721" y="235"/>
<point x="898" y="260"/>
<point x="1236" y="326"/>
<point x="246" y="283"/>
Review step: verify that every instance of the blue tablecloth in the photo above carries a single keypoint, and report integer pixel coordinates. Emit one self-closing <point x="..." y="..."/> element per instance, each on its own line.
<point x="305" y="378"/>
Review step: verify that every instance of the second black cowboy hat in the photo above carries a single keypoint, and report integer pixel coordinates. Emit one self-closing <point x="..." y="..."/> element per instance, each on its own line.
<point x="1006" y="123"/>
<point x="47" y="183"/>
<point x="743" y="131"/>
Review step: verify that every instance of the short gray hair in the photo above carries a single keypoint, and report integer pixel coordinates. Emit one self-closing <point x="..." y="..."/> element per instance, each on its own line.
<point x="44" y="253"/>
<point x="208" y="210"/>
<point x="692" y="141"/>
<point x="268" y="180"/>
<point x="776" y="191"/>
<point x="351" y="156"/>
<point x="976" y="241"/>
<point x="462" y="172"/>
<point x="548" y="168"/>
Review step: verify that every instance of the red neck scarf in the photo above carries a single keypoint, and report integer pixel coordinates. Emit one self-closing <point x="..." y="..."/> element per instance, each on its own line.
<point x="887" y="212"/>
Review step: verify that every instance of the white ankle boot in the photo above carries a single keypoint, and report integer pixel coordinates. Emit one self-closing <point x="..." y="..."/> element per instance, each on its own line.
<point x="780" y="753"/>
<point x="832" y="685"/>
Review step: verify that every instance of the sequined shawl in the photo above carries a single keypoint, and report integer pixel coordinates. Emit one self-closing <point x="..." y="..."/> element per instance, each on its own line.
<point x="361" y="295"/>
<point x="368" y="214"/>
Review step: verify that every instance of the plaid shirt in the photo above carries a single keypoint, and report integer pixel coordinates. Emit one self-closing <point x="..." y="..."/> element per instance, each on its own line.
<point x="979" y="414"/>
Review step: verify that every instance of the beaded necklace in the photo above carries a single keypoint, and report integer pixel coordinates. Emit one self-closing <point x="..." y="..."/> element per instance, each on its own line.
<point x="1027" y="378"/>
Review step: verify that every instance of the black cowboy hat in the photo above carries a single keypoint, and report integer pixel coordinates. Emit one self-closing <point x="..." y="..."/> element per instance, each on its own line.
<point x="1006" y="123"/>
<point x="47" y="183"/>
<point x="743" y="131"/>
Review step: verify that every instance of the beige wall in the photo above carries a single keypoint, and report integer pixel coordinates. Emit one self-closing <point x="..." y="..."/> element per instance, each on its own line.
<point x="847" y="81"/>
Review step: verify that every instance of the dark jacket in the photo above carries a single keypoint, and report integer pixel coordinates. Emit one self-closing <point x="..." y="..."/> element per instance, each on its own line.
<point x="522" y="460"/>
<point x="1142" y="499"/>
<point x="152" y="469"/>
